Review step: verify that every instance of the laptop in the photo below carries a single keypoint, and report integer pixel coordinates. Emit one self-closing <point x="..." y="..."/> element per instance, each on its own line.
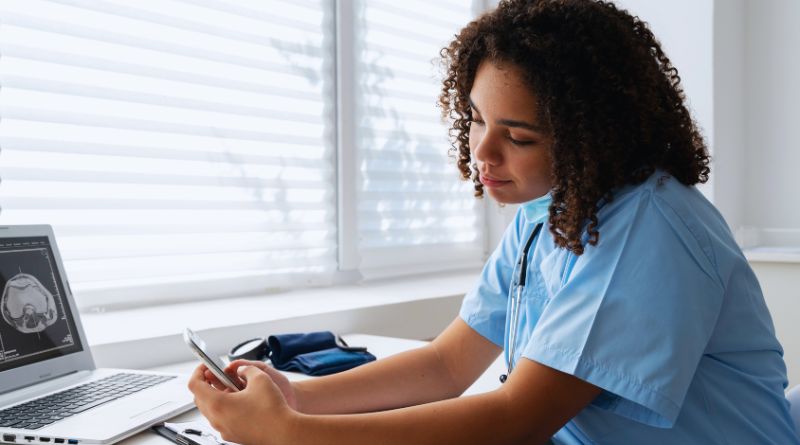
<point x="50" y="391"/>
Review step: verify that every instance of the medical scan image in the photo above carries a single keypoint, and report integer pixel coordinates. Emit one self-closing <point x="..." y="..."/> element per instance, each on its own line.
<point x="27" y="305"/>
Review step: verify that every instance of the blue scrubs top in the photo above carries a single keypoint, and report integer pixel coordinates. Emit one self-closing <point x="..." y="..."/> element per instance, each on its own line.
<point x="664" y="314"/>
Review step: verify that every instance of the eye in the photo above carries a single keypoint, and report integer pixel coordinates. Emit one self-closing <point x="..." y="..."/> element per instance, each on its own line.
<point x="519" y="142"/>
<point x="476" y="121"/>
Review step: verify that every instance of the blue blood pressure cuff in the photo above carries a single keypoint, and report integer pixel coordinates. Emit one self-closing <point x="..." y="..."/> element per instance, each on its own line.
<point x="315" y="353"/>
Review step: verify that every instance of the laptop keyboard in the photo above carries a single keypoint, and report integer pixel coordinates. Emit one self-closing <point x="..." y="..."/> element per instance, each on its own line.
<point x="43" y="411"/>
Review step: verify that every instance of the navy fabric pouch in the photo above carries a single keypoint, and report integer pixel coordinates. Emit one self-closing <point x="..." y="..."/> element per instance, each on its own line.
<point x="315" y="353"/>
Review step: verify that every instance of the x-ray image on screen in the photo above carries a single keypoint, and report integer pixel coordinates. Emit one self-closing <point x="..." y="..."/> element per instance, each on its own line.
<point x="36" y="321"/>
<point x="27" y="305"/>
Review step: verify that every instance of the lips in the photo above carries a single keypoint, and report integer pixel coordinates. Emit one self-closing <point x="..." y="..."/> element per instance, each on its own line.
<point x="492" y="182"/>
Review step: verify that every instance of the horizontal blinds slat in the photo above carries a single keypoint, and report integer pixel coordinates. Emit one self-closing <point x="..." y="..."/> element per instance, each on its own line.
<point x="385" y="240"/>
<point x="161" y="195"/>
<point x="283" y="12"/>
<point x="408" y="195"/>
<point x="389" y="133"/>
<point x="415" y="212"/>
<point x="101" y="177"/>
<point x="152" y="64"/>
<point x="276" y="218"/>
<point x="401" y="35"/>
<point x="150" y="140"/>
<point x="395" y="91"/>
<point x="28" y="72"/>
<point x="421" y="223"/>
<point x="194" y="228"/>
<point x="392" y="10"/>
<point x="243" y="81"/>
<point x="99" y="120"/>
<point x="35" y="203"/>
<point x="271" y="156"/>
<point x="49" y="91"/>
<point x="84" y="248"/>
<point x="456" y="12"/>
<point x="382" y="148"/>
<point x="410" y="111"/>
<point x="121" y="163"/>
<point x="375" y="74"/>
<point x="465" y="204"/>
<point x="197" y="265"/>
<point x="22" y="27"/>
<point x="408" y="127"/>
<point x="381" y="171"/>
<point x="308" y="21"/>
<point x="127" y="113"/>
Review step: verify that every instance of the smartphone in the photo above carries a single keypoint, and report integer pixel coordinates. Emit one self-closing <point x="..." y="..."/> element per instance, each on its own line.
<point x="197" y="345"/>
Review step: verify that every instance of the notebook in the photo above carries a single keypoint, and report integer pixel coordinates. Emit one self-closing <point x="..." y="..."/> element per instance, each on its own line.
<point x="50" y="390"/>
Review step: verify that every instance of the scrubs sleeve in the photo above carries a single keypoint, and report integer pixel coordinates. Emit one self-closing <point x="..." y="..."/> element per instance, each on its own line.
<point x="635" y="312"/>
<point x="484" y="307"/>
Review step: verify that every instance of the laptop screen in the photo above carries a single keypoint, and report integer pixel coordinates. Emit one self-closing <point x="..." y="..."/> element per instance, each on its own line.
<point x="37" y="322"/>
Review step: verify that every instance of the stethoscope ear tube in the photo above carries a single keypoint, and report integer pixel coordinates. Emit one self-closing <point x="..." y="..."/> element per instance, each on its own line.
<point x="258" y="349"/>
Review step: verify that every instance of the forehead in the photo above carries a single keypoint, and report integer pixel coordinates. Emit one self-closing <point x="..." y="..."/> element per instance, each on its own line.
<point x="501" y="89"/>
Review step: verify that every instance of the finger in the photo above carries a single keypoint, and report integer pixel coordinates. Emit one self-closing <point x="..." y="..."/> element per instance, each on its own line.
<point x="201" y="387"/>
<point x="211" y="378"/>
<point x="236" y="364"/>
<point x="249" y="373"/>
<point x="273" y="373"/>
<point x="208" y="400"/>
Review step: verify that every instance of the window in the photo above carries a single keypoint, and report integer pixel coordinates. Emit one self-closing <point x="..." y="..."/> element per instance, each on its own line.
<point x="193" y="148"/>
<point x="413" y="212"/>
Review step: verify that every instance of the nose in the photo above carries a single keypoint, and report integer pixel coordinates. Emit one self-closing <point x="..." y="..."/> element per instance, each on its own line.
<point x="485" y="148"/>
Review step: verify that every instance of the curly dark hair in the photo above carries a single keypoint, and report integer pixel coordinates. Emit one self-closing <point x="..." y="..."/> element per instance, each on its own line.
<point x="608" y="95"/>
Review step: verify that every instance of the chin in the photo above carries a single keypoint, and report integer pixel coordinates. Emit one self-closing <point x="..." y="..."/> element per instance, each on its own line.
<point x="504" y="198"/>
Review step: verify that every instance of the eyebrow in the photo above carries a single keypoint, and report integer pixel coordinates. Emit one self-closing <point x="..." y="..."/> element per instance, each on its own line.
<point x="511" y="122"/>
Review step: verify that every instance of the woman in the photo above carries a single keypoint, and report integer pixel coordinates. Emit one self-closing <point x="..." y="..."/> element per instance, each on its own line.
<point x="625" y="309"/>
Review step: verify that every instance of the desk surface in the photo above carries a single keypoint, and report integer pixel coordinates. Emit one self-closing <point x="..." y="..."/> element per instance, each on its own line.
<point x="381" y="347"/>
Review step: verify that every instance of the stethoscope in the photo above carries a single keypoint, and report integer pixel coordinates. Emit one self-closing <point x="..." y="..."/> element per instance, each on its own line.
<point x="516" y="303"/>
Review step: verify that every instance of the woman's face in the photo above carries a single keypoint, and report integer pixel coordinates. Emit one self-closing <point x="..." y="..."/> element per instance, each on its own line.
<point x="507" y="142"/>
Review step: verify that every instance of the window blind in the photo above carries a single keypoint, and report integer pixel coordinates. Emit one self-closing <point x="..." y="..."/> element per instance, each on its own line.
<point x="414" y="213"/>
<point x="180" y="149"/>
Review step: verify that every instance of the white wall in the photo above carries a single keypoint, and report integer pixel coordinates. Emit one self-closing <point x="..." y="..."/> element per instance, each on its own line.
<point x="773" y="113"/>
<point x="779" y="281"/>
<point x="684" y="29"/>
<point x="729" y="111"/>
<point x="771" y="123"/>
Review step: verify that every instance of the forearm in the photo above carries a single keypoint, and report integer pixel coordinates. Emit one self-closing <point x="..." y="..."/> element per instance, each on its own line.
<point x="409" y="378"/>
<point x="480" y="419"/>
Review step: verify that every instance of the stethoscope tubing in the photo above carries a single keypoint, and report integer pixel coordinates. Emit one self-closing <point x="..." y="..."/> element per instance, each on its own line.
<point x="516" y="302"/>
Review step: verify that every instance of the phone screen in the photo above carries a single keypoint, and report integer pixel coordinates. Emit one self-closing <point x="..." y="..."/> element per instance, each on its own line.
<point x="197" y="346"/>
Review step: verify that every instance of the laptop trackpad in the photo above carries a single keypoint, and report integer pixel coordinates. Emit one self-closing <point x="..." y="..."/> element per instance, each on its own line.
<point x="146" y="407"/>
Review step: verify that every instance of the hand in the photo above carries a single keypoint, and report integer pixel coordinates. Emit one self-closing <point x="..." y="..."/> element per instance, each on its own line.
<point x="258" y="414"/>
<point x="283" y="383"/>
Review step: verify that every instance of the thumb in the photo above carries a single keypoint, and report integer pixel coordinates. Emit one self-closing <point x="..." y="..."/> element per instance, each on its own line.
<point x="247" y="372"/>
<point x="258" y="381"/>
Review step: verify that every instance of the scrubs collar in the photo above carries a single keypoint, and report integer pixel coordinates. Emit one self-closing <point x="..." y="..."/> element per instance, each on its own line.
<point x="537" y="210"/>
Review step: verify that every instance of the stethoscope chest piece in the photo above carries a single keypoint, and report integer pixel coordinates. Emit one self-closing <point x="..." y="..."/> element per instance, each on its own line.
<point x="253" y="349"/>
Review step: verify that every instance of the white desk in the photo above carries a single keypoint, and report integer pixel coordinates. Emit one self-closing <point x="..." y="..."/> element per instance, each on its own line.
<point x="381" y="347"/>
